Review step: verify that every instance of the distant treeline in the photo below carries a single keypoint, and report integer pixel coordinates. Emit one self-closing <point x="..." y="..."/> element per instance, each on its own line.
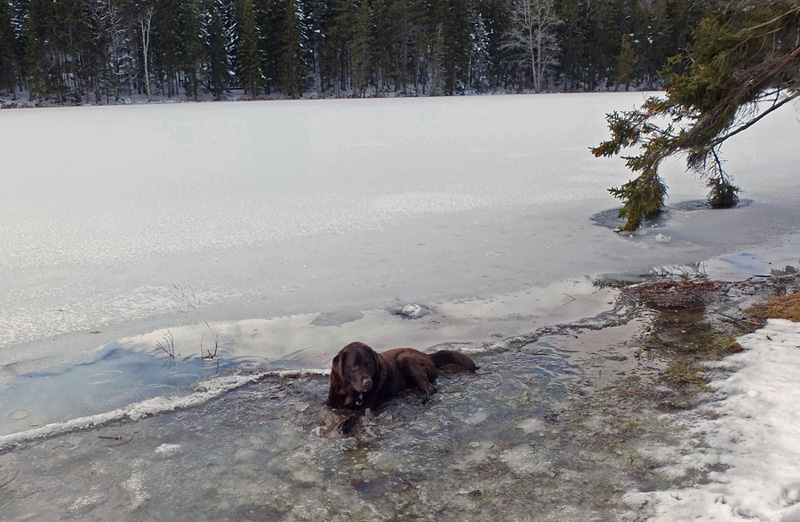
<point x="73" y="51"/>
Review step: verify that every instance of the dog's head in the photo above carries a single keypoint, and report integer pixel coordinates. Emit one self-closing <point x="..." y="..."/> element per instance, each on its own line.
<point x="356" y="366"/>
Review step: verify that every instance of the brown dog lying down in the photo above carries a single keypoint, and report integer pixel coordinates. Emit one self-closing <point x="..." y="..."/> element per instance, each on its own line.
<point x="363" y="378"/>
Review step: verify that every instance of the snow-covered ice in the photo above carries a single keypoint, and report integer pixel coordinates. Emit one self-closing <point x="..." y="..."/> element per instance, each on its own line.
<point x="117" y="221"/>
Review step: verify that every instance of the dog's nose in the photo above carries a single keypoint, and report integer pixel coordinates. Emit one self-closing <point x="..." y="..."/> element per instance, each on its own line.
<point x="366" y="383"/>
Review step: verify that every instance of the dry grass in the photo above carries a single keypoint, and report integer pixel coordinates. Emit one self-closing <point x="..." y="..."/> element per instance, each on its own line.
<point x="783" y="307"/>
<point x="674" y="294"/>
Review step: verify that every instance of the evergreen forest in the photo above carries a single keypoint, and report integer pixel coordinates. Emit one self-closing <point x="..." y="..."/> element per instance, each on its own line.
<point x="105" y="51"/>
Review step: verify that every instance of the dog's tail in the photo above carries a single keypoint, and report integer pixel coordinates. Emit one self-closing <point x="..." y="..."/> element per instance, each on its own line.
<point x="445" y="357"/>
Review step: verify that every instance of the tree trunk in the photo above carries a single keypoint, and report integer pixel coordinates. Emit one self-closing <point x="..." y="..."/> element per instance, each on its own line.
<point x="144" y="22"/>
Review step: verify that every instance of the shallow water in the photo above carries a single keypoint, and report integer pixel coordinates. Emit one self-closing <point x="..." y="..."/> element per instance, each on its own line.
<point x="544" y="430"/>
<point x="512" y="441"/>
<point x="108" y="379"/>
<point x="160" y="362"/>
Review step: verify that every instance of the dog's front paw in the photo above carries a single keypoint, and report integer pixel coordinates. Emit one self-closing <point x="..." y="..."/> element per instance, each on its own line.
<point x="428" y="394"/>
<point x="347" y="425"/>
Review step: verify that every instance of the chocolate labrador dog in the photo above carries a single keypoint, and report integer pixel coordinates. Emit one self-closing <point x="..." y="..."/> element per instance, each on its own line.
<point x="363" y="378"/>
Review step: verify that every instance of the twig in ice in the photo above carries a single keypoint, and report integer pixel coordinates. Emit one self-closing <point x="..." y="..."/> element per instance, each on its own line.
<point x="168" y="346"/>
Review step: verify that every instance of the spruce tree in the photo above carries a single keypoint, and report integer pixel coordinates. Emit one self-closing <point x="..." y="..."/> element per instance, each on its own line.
<point x="35" y="64"/>
<point x="383" y="39"/>
<point x="249" y="56"/>
<point x="743" y="64"/>
<point x="70" y="49"/>
<point x="361" y="49"/>
<point x="191" y="46"/>
<point x="292" y="65"/>
<point x="217" y="66"/>
<point x="626" y="63"/>
<point x="337" y="67"/>
<point x="479" y="57"/>
<point x="7" y="58"/>
<point x="573" y="36"/>
<point x="318" y="28"/>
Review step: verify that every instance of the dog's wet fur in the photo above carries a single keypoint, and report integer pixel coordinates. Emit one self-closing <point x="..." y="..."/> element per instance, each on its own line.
<point x="362" y="378"/>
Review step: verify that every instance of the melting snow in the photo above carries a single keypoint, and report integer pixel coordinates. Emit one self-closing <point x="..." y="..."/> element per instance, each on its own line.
<point x="750" y="433"/>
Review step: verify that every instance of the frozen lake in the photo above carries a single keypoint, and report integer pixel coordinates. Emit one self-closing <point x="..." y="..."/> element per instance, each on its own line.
<point x="276" y="232"/>
<point x="125" y="220"/>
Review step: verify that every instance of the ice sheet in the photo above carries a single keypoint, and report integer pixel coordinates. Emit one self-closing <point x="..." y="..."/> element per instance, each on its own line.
<point x="117" y="221"/>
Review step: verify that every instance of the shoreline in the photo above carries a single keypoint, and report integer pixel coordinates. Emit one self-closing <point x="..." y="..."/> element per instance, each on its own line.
<point x="307" y="341"/>
<point x="570" y="411"/>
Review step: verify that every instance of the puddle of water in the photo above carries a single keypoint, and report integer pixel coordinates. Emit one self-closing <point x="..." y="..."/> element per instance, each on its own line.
<point x="511" y="442"/>
<point x="102" y="381"/>
<point x="742" y="265"/>
<point x="164" y="362"/>
<point x="311" y="340"/>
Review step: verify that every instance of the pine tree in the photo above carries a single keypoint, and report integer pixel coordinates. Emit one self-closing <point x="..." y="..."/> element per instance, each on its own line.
<point x="36" y="59"/>
<point x="68" y="50"/>
<point x="623" y="73"/>
<point x="292" y="66"/>
<point x="479" y="56"/>
<point x="361" y="49"/>
<point x="191" y="46"/>
<point x="337" y="66"/>
<point x="495" y="18"/>
<point x="7" y="59"/>
<point x="744" y="56"/>
<point x="456" y="46"/>
<point x="383" y="40"/>
<point x="249" y="56"/>
<point x="410" y="43"/>
<point x="115" y="23"/>
<point x="318" y="15"/>
<point x="573" y="35"/>
<point x="216" y="67"/>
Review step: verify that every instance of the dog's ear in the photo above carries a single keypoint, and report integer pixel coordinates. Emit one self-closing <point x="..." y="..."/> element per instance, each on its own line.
<point x="337" y="365"/>
<point x="375" y="362"/>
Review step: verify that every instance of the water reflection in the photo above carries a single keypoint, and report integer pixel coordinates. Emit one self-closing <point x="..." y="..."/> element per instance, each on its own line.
<point x="110" y="378"/>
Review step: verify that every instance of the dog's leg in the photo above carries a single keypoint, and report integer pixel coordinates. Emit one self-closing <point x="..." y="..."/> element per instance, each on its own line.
<point x="347" y="425"/>
<point x="428" y="393"/>
<point x="422" y="374"/>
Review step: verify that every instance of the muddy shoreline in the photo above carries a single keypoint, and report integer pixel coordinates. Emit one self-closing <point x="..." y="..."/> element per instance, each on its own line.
<point x="551" y="428"/>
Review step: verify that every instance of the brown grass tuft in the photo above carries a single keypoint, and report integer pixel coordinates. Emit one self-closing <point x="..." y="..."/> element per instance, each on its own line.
<point x="783" y="307"/>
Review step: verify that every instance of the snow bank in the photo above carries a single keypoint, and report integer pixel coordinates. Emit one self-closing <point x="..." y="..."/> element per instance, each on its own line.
<point x="751" y="434"/>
